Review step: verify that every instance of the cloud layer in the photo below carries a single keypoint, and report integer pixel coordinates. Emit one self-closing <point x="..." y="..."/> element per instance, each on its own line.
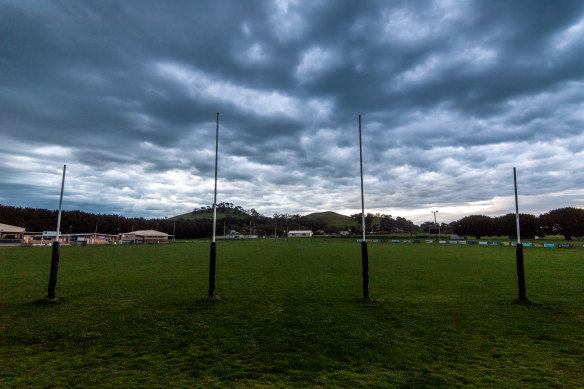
<point x="452" y="95"/>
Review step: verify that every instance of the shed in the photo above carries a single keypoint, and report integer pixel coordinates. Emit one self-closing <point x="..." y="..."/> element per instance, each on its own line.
<point x="144" y="237"/>
<point x="11" y="234"/>
<point x="300" y="234"/>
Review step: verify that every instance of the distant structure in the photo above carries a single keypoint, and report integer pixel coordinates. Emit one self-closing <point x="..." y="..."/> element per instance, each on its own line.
<point x="144" y="237"/>
<point x="18" y="236"/>
<point x="11" y="235"/>
<point x="46" y="238"/>
<point x="91" y="239"/>
<point x="239" y="236"/>
<point x="300" y="234"/>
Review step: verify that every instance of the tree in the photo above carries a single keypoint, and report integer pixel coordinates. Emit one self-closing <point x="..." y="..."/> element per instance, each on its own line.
<point x="565" y="221"/>
<point x="507" y="225"/>
<point x="446" y="228"/>
<point x="405" y="225"/>
<point x="428" y="227"/>
<point x="387" y="224"/>
<point x="474" y="225"/>
<point x="369" y="217"/>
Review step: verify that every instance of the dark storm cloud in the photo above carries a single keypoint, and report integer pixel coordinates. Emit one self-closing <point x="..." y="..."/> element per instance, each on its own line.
<point x="453" y="94"/>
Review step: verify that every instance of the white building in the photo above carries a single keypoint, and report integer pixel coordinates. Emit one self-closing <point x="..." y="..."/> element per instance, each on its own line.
<point x="300" y="234"/>
<point x="11" y="235"/>
<point x="144" y="237"/>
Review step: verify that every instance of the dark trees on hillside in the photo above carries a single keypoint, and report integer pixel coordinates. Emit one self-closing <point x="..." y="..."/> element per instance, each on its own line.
<point x="431" y="227"/>
<point x="405" y="225"/>
<point x="369" y="217"/>
<point x="446" y="228"/>
<point x="38" y="220"/>
<point x="428" y="227"/>
<point x="474" y="225"/>
<point x="507" y="225"/>
<point x="390" y="225"/>
<point x="565" y="221"/>
<point x="568" y="222"/>
<point x="317" y="224"/>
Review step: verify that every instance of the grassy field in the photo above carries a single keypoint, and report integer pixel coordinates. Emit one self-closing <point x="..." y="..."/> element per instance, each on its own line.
<point x="290" y="315"/>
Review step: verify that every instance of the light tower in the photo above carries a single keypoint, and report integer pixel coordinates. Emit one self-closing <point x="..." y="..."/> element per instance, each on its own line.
<point x="436" y="224"/>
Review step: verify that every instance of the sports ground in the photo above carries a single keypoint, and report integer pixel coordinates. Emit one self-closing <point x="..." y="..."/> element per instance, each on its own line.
<point x="290" y="314"/>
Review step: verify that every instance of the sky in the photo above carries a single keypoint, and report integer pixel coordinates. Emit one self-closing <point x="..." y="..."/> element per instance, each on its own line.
<point x="453" y="95"/>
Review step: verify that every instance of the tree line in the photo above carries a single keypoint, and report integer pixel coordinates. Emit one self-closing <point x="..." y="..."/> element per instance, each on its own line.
<point x="234" y="219"/>
<point x="385" y="224"/>
<point x="568" y="222"/>
<point x="225" y="207"/>
<point x="38" y="220"/>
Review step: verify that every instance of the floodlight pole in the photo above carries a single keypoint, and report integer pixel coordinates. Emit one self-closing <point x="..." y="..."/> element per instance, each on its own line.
<point x="364" y="253"/>
<point x="213" y="257"/>
<point x="436" y="224"/>
<point x="519" y="249"/>
<point x="52" y="290"/>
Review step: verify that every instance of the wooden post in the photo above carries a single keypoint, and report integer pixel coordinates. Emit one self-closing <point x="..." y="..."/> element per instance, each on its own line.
<point x="520" y="273"/>
<point x="213" y="254"/>
<point x="212" y="265"/>
<point x="52" y="289"/>
<point x="364" y="253"/>
<point x="519" y="249"/>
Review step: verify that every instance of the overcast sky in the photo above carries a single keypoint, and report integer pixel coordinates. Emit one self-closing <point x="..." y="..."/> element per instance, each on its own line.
<point x="453" y="95"/>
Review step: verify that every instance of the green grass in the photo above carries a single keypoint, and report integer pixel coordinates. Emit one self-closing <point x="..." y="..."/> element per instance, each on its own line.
<point x="289" y="314"/>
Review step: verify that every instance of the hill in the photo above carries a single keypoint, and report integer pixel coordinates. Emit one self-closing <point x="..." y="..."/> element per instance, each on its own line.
<point x="224" y="210"/>
<point x="333" y="219"/>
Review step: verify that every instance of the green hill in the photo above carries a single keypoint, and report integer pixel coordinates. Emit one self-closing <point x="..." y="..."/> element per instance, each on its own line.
<point x="333" y="219"/>
<point x="338" y="220"/>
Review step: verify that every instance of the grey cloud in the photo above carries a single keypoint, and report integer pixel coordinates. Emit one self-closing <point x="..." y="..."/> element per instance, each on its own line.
<point x="452" y="95"/>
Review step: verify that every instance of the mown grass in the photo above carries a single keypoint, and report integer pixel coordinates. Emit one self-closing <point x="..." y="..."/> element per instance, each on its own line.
<point x="289" y="314"/>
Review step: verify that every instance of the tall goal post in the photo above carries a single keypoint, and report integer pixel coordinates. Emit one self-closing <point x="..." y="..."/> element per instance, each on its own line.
<point x="519" y="249"/>
<point x="213" y="253"/>
<point x="364" y="253"/>
<point x="56" y="251"/>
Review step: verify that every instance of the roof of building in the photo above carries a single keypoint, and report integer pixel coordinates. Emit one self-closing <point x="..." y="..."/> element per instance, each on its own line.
<point x="88" y="234"/>
<point x="300" y="232"/>
<point x="148" y="233"/>
<point x="9" y="228"/>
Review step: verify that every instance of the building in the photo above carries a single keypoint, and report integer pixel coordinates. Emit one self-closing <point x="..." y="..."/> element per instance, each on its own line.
<point x="300" y="234"/>
<point x="11" y="235"/>
<point x="144" y="237"/>
<point x="91" y="238"/>
<point x="46" y="238"/>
